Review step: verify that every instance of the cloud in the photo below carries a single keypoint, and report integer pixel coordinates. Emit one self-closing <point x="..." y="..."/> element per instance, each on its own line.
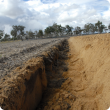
<point x="38" y="14"/>
<point x="48" y="1"/>
<point x="11" y="8"/>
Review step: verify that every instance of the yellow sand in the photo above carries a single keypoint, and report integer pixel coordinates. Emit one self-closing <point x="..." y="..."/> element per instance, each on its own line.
<point x="89" y="71"/>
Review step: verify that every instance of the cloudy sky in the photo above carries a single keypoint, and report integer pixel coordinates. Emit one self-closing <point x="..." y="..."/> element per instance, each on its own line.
<point x="38" y="14"/>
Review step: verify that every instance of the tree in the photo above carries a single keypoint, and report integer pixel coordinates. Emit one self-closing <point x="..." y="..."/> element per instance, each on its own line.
<point x="99" y="26"/>
<point x="40" y="33"/>
<point x="63" y="32"/>
<point x="69" y="30"/>
<point x="1" y="34"/>
<point x="92" y="28"/>
<point x="57" y="30"/>
<point x="14" y="32"/>
<point x="21" y="29"/>
<point x="36" y="33"/>
<point x="77" y="30"/>
<point x="17" y="32"/>
<point x="30" y="34"/>
<point x="89" y="28"/>
<point x="109" y="27"/>
<point x="59" y="27"/>
<point x="6" y="37"/>
<point x="49" y="31"/>
<point x="74" y="32"/>
<point x="86" y="28"/>
<point x="105" y="29"/>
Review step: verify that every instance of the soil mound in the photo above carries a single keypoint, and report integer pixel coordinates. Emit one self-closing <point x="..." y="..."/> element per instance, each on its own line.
<point x="88" y="76"/>
<point x="89" y="71"/>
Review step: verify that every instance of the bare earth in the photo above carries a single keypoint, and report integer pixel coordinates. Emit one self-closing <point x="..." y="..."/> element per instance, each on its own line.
<point x="88" y="83"/>
<point x="13" y="54"/>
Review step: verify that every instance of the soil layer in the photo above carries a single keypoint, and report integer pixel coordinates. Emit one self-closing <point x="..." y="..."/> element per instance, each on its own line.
<point x="87" y="84"/>
<point x="22" y="88"/>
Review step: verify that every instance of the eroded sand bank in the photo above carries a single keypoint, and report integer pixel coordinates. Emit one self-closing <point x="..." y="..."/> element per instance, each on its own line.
<point x="89" y="70"/>
<point x="88" y="77"/>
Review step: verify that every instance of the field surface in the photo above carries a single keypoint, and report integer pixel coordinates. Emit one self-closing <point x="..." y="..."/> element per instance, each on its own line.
<point x="13" y="54"/>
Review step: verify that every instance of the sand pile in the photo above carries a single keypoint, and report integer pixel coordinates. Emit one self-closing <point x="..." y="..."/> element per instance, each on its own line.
<point x="89" y="70"/>
<point x="88" y="77"/>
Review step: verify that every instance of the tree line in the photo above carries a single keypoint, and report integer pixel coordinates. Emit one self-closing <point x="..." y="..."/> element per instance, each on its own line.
<point x="55" y="30"/>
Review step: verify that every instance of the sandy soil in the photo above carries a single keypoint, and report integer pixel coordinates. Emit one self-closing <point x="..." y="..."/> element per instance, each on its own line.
<point x="88" y="77"/>
<point x="89" y="69"/>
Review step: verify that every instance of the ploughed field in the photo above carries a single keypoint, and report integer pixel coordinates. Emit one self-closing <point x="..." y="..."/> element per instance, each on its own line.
<point x="13" y="54"/>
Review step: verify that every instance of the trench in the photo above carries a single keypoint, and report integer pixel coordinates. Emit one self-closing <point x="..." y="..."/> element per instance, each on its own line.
<point x="54" y="73"/>
<point x="31" y="86"/>
<point x="72" y="75"/>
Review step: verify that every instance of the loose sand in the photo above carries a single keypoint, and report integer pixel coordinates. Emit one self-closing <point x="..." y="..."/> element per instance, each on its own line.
<point x="88" y="83"/>
<point x="89" y="70"/>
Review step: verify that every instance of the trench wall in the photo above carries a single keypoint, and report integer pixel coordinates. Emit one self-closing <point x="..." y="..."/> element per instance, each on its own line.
<point x="22" y="89"/>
